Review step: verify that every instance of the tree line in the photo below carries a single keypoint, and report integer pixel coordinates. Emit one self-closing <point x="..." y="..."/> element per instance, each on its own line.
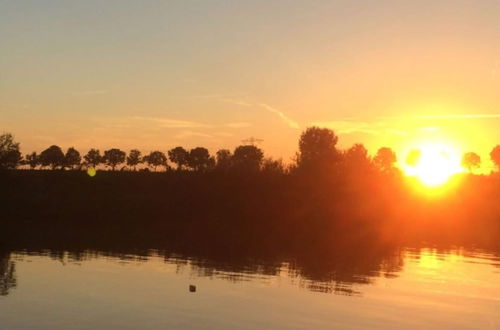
<point x="317" y="151"/>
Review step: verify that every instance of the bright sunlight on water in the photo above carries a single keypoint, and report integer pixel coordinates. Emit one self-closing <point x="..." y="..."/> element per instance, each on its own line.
<point x="407" y="289"/>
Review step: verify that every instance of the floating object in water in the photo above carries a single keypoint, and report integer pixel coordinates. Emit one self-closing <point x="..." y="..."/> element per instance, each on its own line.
<point x="192" y="288"/>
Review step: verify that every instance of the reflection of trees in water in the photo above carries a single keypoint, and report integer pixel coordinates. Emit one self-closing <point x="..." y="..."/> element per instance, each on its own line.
<point x="7" y="274"/>
<point x="342" y="270"/>
<point x="339" y="271"/>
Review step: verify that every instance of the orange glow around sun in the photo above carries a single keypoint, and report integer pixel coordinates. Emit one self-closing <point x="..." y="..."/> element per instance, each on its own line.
<point x="432" y="164"/>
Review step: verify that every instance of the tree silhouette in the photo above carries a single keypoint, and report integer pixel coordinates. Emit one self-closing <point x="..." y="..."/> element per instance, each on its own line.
<point x="93" y="158"/>
<point x="134" y="158"/>
<point x="413" y="157"/>
<point x="317" y="148"/>
<point x="72" y="158"/>
<point x="114" y="157"/>
<point x="52" y="156"/>
<point x="471" y="161"/>
<point x="495" y="156"/>
<point x="9" y="152"/>
<point x="273" y="166"/>
<point x="356" y="157"/>
<point x="179" y="156"/>
<point x="199" y="159"/>
<point x="156" y="158"/>
<point x="385" y="160"/>
<point x="247" y="158"/>
<point x="223" y="159"/>
<point x="32" y="160"/>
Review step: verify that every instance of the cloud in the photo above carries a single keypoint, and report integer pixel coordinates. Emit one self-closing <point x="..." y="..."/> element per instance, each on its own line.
<point x="238" y="125"/>
<point x="353" y="126"/>
<point x="349" y="126"/>
<point x="459" y="116"/>
<point x="223" y="134"/>
<point x="238" y="102"/>
<point x="290" y="122"/>
<point x="287" y="120"/>
<point x="189" y="134"/>
<point x="168" y="122"/>
<point x="429" y="129"/>
<point x="397" y="132"/>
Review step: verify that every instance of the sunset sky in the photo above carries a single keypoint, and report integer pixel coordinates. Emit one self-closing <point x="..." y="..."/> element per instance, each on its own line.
<point x="157" y="74"/>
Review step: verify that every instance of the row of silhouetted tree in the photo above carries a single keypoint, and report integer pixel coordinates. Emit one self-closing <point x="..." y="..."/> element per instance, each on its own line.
<point x="318" y="151"/>
<point x="246" y="157"/>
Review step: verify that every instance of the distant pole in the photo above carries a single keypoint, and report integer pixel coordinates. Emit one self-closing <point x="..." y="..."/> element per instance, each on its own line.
<point x="252" y="141"/>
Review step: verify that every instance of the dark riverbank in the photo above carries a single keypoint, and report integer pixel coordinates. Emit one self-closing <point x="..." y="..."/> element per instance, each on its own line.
<point x="230" y="210"/>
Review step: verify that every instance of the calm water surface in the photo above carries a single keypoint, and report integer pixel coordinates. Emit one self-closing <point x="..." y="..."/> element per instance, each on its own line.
<point x="405" y="289"/>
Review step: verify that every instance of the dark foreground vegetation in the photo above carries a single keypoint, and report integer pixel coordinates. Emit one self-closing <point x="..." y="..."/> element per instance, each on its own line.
<point x="239" y="201"/>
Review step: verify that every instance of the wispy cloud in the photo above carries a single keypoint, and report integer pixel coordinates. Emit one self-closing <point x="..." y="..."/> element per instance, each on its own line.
<point x="429" y="129"/>
<point x="287" y="120"/>
<point x="237" y="102"/>
<point x="459" y="116"/>
<point x="238" y="125"/>
<point x="349" y="126"/>
<point x="290" y="122"/>
<point x="168" y="122"/>
<point x="189" y="134"/>
<point x="223" y="134"/>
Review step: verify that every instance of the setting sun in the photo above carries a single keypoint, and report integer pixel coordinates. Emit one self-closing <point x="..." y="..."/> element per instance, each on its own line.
<point x="433" y="165"/>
